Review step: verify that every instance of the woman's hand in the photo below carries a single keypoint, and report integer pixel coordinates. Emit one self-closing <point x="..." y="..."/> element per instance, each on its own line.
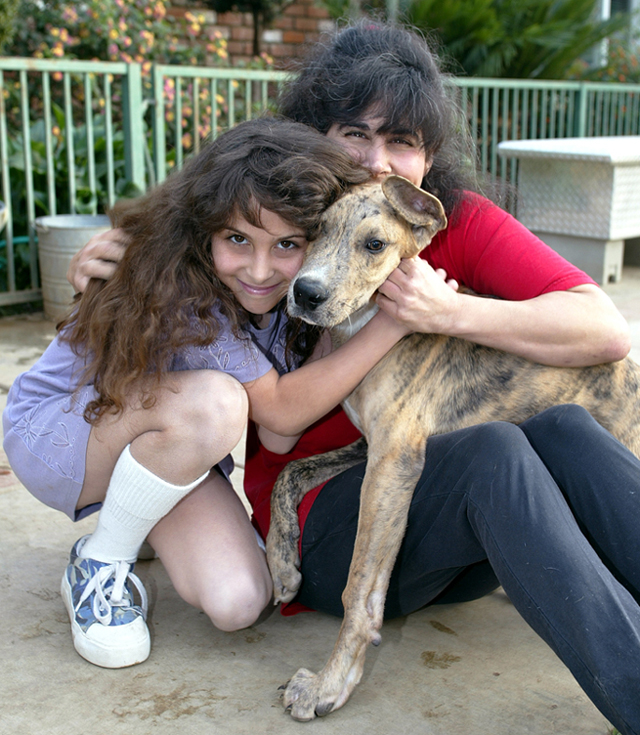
<point x="97" y="259"/>
<point x="419" y="297"/>
<point x="572" y="328"/>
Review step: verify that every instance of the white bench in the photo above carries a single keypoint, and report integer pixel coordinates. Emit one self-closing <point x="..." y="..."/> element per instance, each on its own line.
<point x="581" y="196"/>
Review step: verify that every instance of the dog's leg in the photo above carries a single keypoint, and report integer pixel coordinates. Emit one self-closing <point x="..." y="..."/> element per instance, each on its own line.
<point x="293" y="483"/>
<point x="386" y="496"/>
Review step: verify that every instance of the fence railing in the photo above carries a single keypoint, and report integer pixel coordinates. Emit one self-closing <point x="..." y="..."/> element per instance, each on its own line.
<point x="75" y="136"/>
<point x="501" y="109"/>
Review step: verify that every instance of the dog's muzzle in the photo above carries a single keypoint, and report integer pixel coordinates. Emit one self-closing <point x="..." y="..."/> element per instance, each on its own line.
<point x="309" y="294"/>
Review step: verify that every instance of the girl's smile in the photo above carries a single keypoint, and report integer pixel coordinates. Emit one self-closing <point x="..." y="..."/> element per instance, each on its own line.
<point x="258" y="263"/>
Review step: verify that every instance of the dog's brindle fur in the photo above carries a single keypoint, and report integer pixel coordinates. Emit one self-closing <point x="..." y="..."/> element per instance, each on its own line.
<point x="428" y="384"/>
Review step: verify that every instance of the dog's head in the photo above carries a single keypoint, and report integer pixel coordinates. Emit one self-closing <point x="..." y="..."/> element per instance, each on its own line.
<point x="363" y="236"/>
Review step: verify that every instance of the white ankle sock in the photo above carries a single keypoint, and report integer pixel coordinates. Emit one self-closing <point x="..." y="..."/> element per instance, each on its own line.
<point x="136" y="500"/>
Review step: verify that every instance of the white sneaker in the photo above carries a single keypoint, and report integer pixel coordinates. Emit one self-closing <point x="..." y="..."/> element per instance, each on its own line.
<point x="107" y="628"/>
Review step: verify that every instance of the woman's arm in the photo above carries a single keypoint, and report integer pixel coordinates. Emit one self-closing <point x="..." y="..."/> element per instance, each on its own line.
<point x="288" y="404"/>
<point x="572" y="328"/>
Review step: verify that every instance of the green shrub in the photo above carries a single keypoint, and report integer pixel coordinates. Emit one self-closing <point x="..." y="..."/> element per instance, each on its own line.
<point x="8" y="11"/>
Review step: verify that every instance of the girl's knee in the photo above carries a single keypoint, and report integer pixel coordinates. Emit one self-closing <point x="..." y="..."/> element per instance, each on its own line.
<point x="238" y="604"/>
<point x="212" y="405"/>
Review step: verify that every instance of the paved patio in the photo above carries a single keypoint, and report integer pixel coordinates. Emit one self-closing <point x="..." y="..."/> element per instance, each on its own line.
<point x="469" y="669"/>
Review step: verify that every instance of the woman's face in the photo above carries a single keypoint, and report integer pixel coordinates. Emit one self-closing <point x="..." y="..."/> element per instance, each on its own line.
<point x="383" y="152"/>
<point x="258" y="263"/>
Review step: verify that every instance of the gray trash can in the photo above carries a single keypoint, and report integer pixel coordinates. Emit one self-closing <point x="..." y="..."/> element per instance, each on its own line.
<point x="59" y="239"/>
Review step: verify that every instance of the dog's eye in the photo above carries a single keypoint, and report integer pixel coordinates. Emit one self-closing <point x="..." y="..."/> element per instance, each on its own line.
<point x="375" y="246"/>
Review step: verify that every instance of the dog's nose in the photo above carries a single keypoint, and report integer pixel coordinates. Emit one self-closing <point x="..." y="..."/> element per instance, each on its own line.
<point x="309" y="294"/>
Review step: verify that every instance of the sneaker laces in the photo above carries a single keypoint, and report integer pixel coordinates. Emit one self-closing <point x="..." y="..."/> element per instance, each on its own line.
<point x="105" y="599"/>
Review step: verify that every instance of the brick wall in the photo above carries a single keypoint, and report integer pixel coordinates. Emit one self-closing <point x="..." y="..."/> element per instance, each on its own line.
<point x="301" y="24"/>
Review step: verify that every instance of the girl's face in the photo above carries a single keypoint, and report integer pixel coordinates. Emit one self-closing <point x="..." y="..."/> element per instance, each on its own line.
<point x="390" y="152"/>
<point x="258" y="263"/>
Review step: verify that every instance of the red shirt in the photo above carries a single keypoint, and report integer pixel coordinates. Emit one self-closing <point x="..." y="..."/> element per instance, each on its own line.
<point x="484" y="248"/>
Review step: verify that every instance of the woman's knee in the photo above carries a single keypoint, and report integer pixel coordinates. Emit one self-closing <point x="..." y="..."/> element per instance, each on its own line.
<point x="475" y="457"/>
<point x="492" y="439"/>
<point x="559" y="425"/>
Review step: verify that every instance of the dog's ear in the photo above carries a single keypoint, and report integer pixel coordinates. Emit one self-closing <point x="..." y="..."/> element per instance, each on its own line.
<point x="418" y="207"/>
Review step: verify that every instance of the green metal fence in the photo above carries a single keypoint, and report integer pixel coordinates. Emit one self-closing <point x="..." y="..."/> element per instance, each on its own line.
<point x="498" y="110"/>
<point x="75" y="136"/>
<point x="205" y="101"/>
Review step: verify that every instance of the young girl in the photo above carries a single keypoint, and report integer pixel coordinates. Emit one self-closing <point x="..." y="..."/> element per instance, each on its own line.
<point x="549" y="510"/>
<point x="141" y="393"/>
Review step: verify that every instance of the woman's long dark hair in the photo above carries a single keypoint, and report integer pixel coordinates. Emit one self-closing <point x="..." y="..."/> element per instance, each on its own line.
<point x="382" y="69"/>
<point x="163" y="293"/>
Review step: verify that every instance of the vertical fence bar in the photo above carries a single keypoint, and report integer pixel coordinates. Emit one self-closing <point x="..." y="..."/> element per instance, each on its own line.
<point x="178" y="121"/>
<point x="68" y="129"/>
<point x="493" y="144"/>
<point x="514" y="131"/>
<point x="214" y="109"/>
<point x="248" y="92"/>
<point x="553" y="113"/>
<point x="91" y="149"/>
<point x="597" y="126"/>
<point x="620" y="114"/>
<point x="133" y="127"/>
<point x="544" y="113"/>
<point x="48" y="143"/>
<point x="108" y="141"/>
<point x="627" y="120"/>
<point x="158" y="130"/>
<point x="569" y="125"/>
<point x="504" y="132"/>
<point x="231" y="105"/>
<point x="581" y="125"/>
<point x="28" y="175"/>
<point x="606" y="115"/>
<point x="474" y="123"/>
<point x="485" y="129"/>
<point x="196" y="115"/>
<point x="6" y="189"/>
<point x="590" y="116"/>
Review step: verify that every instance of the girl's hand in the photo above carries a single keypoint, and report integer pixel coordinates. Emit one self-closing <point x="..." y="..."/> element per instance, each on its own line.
<point x="97" y="259"/>
<point x="421" y="298"/>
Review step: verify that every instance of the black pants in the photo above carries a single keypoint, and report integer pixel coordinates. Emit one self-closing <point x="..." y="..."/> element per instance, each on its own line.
<point x="550" y="510"/>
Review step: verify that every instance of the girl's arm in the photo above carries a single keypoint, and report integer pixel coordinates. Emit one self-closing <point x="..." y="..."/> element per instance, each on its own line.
<point x="572" y="328"/>
<point x="287" y="404"/>
<point x="277" y="443"/>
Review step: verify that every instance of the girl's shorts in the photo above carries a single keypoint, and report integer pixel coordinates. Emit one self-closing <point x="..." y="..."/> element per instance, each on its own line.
<point x="46" y="445"/>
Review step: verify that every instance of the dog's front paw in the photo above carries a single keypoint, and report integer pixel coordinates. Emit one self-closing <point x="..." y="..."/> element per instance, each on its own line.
<point x="310" y="695"/>
<point x="302" y="698"/>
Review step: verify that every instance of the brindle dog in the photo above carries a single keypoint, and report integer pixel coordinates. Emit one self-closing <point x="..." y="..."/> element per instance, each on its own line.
<point x="428" y="384"/>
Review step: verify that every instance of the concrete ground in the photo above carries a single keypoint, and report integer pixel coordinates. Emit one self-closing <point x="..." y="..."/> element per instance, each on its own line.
<point x="468" y="669"/>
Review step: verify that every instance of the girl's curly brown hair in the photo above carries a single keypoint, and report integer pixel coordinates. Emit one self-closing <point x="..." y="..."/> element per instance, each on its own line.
<point x="163" y="293"/>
